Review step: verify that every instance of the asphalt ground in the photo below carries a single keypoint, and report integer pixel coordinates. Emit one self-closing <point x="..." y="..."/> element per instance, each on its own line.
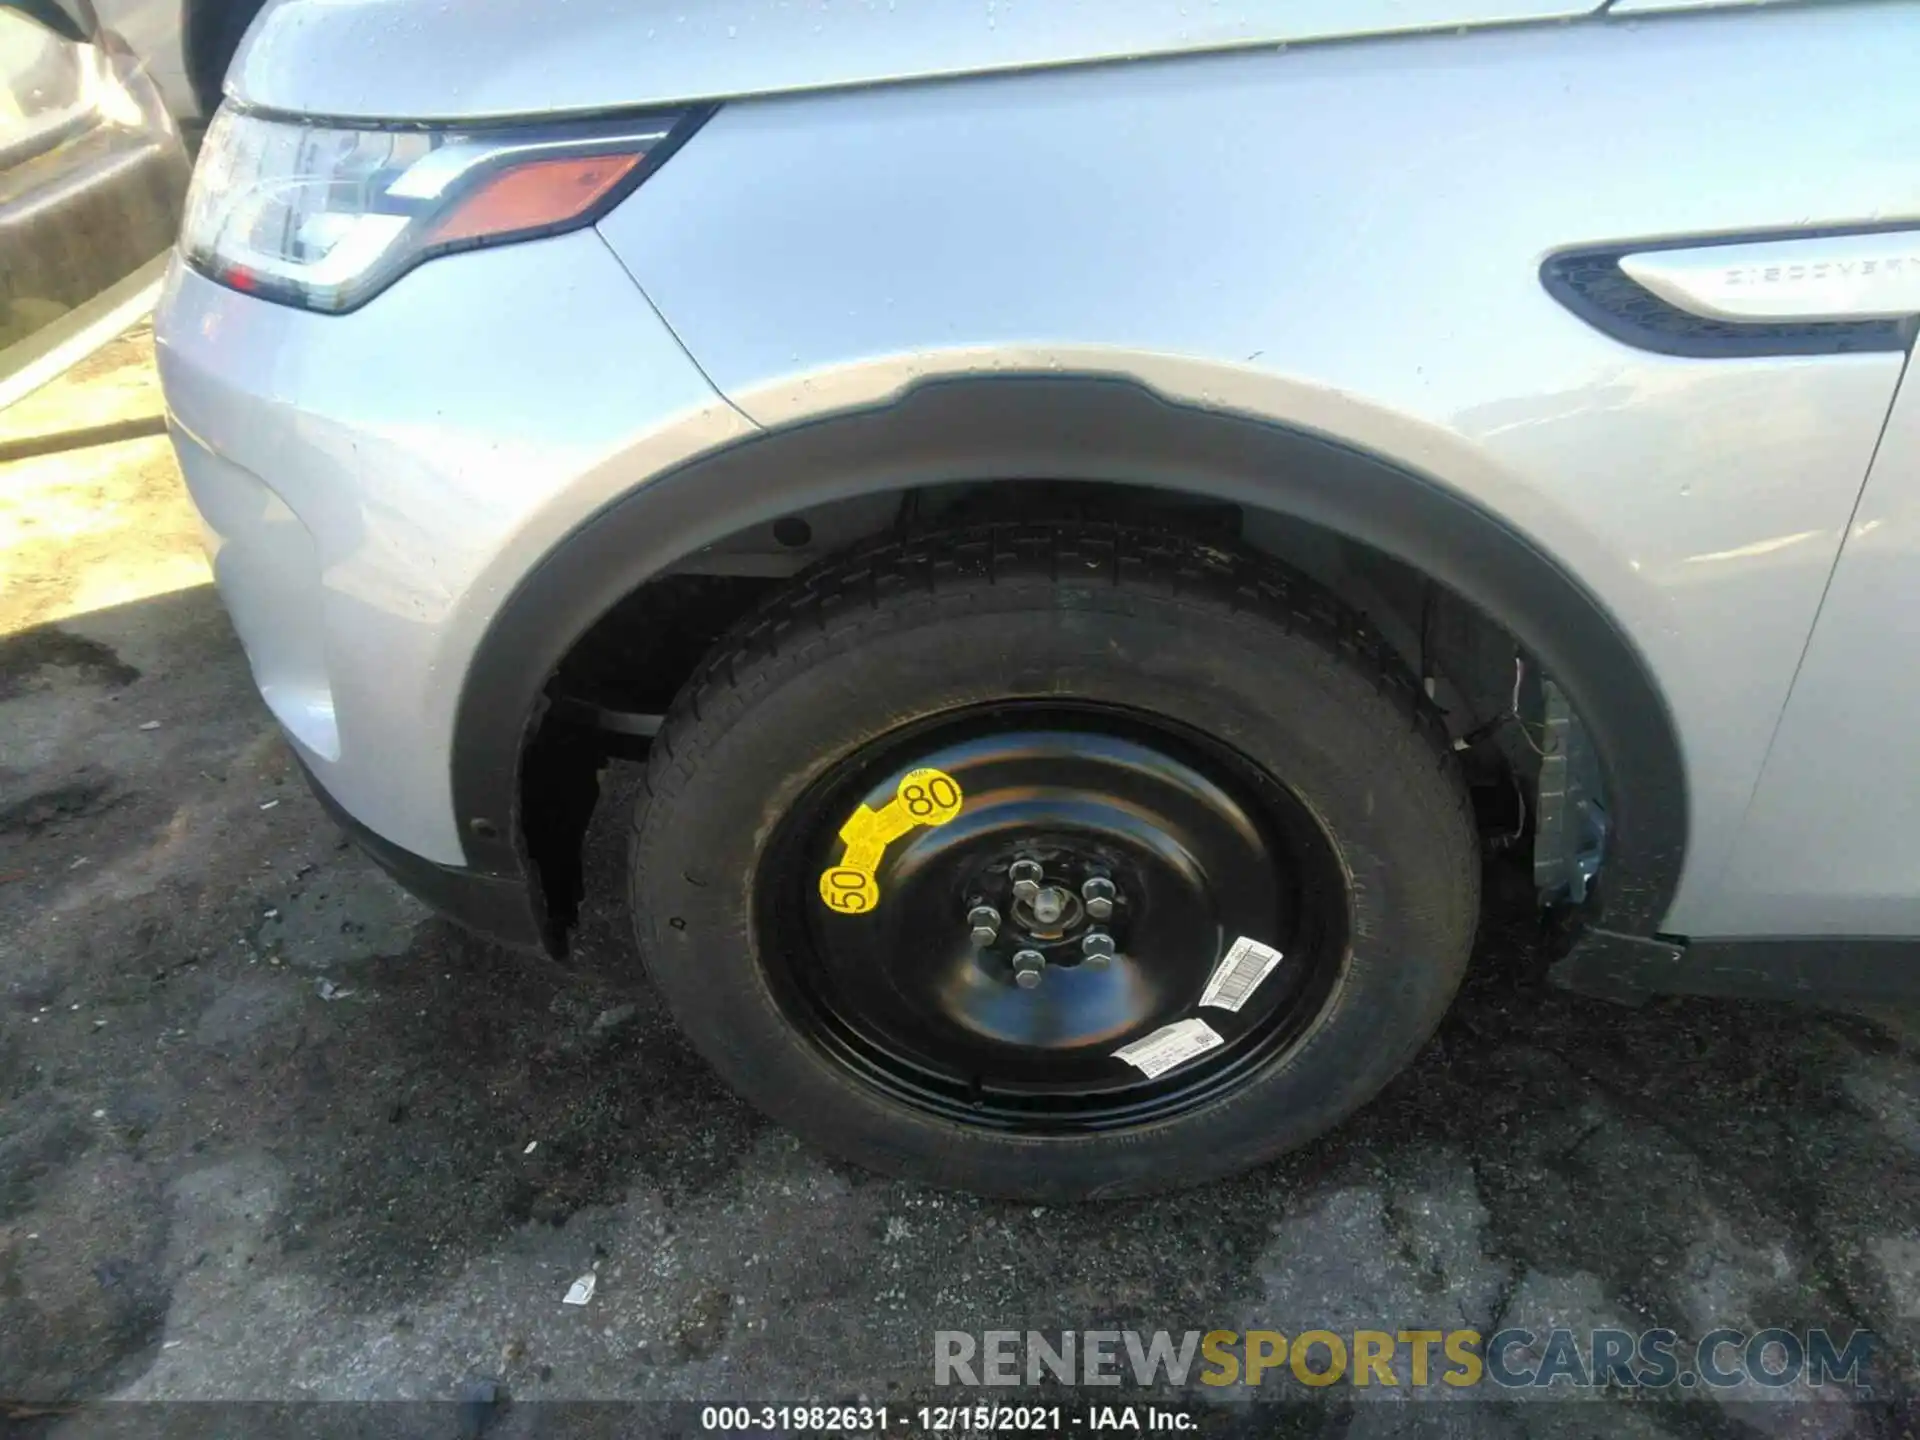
<point x="272" y="1134"/>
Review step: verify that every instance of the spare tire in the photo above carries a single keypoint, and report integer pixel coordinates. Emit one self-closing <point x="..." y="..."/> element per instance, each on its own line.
<point x="1055" y="861"/>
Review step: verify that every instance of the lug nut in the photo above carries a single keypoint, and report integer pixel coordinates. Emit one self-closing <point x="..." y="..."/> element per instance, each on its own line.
<point x="1026" y="870"/>
<point x="1099" y="895"/>
<point x="1027" y="966"/>
<point x="985" y="923"/>
<point x="1097" y="949"/>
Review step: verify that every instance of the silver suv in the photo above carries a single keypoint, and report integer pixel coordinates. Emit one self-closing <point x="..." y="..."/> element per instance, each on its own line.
<point x="1097" y="518"/>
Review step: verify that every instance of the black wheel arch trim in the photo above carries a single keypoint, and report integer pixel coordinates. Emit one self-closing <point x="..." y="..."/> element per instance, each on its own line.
<point x="503" y="909"/>
<point x="1095" y="429"/>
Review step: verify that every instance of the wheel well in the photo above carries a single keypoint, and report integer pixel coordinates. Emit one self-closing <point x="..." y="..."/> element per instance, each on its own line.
<point x="611" y="687"/>
<point x="1447" y="581"/>
<point x="210" y="34"/>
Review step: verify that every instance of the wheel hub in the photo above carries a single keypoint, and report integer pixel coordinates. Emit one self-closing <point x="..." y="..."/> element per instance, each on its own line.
<point x="1051" y="911"/>
<point x="1063" y="916"/>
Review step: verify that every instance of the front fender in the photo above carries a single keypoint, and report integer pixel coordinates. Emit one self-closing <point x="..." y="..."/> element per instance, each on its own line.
<point x="1348" y="240"/>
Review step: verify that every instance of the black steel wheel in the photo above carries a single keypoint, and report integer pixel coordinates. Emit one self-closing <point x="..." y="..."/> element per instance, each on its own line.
<point x="1055" y="861"/>
<point x="1151" y="851"/>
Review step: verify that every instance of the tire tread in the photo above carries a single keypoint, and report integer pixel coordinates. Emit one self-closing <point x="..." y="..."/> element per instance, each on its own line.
<point x="951" y="562"/>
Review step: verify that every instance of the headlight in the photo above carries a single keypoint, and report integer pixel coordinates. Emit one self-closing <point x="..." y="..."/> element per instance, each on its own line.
<point x="325" y="217"/>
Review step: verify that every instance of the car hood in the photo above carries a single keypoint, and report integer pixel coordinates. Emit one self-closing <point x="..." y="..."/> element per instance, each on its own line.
<point x="473" y="59"/>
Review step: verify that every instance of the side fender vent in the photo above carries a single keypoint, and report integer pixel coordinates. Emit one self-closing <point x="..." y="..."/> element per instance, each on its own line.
<point x="1592" y="285"/>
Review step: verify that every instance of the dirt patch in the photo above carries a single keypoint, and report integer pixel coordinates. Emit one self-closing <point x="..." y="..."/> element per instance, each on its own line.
<point x="56" y="806"/>
<point x="26" y="656"/>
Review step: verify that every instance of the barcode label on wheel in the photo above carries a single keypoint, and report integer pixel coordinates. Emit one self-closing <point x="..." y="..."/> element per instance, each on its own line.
<point x="1239" y="973"/>
<point x="1169" y="1046"/>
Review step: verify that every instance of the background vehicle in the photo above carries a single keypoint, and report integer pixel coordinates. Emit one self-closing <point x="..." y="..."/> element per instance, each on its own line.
<point x="1094" y="551"/>
<point x="186" y="46"/>
<point x="92" y="178"/>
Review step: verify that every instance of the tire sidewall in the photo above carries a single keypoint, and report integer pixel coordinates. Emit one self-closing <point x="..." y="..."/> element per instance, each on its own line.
<point x="1364" y="768"/>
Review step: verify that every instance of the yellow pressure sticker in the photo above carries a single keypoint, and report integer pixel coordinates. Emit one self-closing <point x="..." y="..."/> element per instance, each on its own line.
<point x="923" y="797"/>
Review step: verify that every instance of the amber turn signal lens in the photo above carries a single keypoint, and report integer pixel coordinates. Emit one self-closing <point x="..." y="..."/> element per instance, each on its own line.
<point x="534" y="195"/>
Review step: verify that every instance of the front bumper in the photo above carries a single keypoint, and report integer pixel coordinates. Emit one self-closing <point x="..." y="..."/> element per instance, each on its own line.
<point x="502" y="908"/>
<point x="375" y="485"/>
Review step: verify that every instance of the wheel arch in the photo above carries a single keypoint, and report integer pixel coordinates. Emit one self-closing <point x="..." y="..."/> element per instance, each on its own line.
<point x="1073" y="428"/>
<point x="210" y="35"/>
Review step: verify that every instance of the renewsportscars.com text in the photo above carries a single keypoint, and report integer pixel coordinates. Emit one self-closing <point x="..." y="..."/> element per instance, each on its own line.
<point x="1510" y="1359"/>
